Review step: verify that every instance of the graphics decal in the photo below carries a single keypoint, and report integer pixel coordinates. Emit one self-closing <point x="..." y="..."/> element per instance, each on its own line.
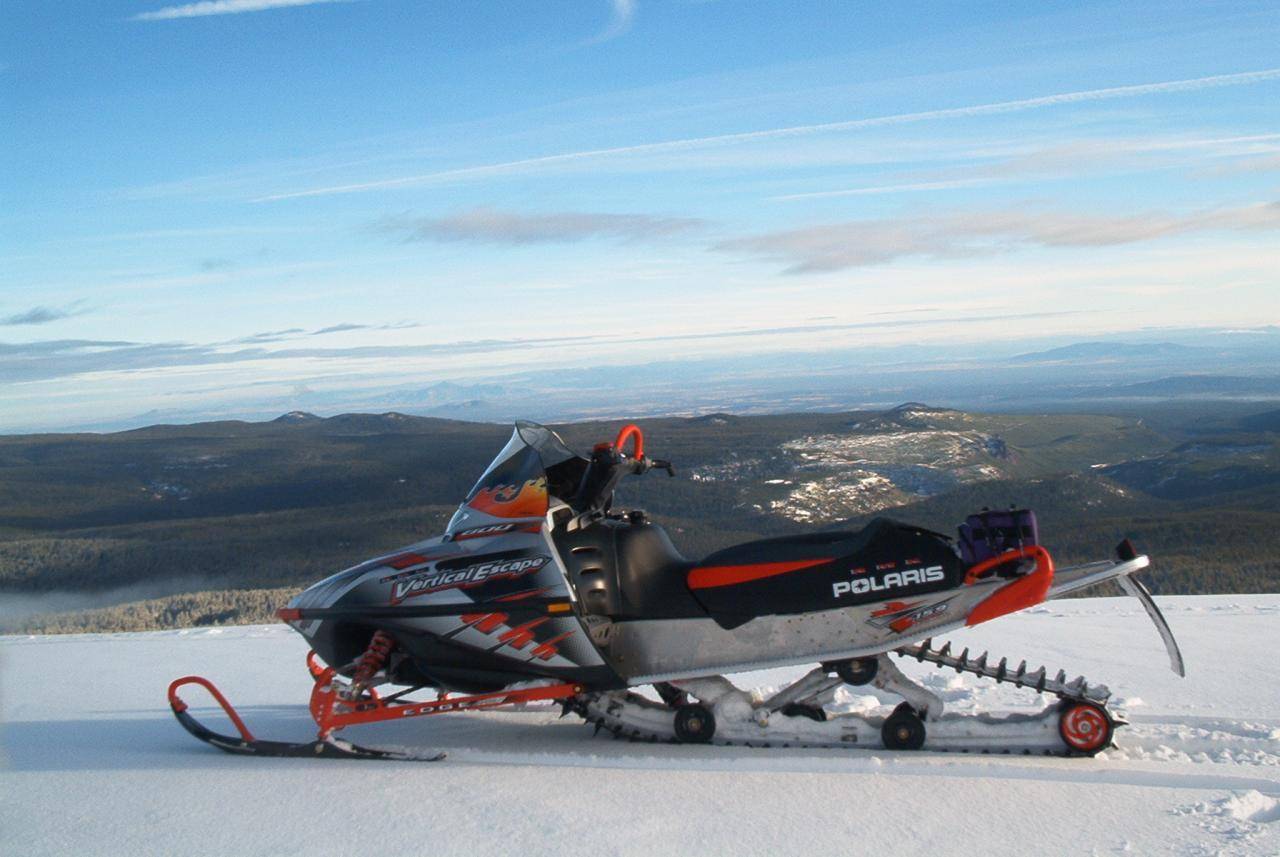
<point x="899" y="616"/>
<point x="524" y="500"/>
<point x="518" y="636"/>
<point x="493" y="530"/>
<point x="435" y="580"/>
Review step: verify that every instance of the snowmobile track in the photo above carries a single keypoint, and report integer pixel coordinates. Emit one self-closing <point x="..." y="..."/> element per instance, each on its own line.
<point x="623" y="715"/>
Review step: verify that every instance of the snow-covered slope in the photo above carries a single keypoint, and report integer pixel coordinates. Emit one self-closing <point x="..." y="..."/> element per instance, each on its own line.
<point x="95" y="764"/>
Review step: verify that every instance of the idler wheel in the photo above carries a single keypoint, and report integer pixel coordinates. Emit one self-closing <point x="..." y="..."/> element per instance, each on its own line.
<point x="903" y="729"/>
<point x="857" y="671"/>
<point x="695" y="724"/>
<point x="1085" y="728"/>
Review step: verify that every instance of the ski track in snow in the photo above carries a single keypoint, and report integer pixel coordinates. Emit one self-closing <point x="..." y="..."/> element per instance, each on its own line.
<point x="93" y="762"/>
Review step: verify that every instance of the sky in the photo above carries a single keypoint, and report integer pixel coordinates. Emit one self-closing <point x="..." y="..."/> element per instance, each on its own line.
<point x="215" y="202"/>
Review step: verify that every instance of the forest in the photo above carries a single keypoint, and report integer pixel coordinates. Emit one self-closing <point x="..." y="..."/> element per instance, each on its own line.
<point x="215" y="523"/>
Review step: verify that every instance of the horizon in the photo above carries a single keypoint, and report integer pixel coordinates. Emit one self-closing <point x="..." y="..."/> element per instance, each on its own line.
<point x="228" y="206"/>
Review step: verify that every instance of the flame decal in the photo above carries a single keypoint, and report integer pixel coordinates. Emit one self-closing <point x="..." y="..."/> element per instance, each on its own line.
<point x="513" y="501"/>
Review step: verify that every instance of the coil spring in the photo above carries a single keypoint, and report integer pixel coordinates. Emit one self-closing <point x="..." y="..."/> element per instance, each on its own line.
<point x="373" y="659"/>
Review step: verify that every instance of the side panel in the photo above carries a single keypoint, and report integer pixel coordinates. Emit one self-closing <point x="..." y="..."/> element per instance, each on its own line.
<point x="682" y="648"/>
<point x="474" y="575"/>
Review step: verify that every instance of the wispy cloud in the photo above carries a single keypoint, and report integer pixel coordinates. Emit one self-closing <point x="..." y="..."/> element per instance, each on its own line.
<point x="622" y="13"/>
<point x="268" y="336"/>
<point x="949" y="184"/>
<point x="493" y="226"/>
<point x="338" y="328"/>
<point x="853" y="244"/>
<point x="1259" y="164"/>
<point x="271" y="336"/>
<point x="222" y="7"/>
<point x="43" y="315"/>
<point x="1067" y="159"/>
<point x="44" y="360"/>
<point x="973" y="110"/>
<point x="346" y="326"/>
<point x="51" y="359"/>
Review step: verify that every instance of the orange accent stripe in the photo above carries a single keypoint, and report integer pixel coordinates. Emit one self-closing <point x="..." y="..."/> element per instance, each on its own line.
<point x="728" y="575"/>
<point x="546" y="651"/>
<point x="405" y="560"/>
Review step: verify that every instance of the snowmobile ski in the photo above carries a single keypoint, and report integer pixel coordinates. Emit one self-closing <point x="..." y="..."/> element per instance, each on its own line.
<point x="249" y="745"/>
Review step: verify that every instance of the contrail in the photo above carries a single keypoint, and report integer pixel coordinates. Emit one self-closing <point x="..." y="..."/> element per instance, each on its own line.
<point x="950" y="184"/>
<point x="1240" y="79"/>
<point x="220" y="7"/>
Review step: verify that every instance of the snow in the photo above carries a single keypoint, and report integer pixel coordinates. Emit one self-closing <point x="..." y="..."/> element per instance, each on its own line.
<point x="95" y="764"/>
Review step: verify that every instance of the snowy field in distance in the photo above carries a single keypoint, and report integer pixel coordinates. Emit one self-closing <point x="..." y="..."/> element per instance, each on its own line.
<point x="93" y="762"/>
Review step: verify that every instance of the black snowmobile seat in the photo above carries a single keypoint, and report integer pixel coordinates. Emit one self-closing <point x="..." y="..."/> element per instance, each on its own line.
<point x="800" y="548"/>
<point x="798" y="574"/>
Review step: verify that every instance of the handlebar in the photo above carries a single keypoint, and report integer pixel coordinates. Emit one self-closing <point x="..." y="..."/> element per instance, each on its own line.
<point x="638" y="464"/>
<point x="628" y="431"/>
<point x="644" y="465"/>
<point x="608" y="465"/>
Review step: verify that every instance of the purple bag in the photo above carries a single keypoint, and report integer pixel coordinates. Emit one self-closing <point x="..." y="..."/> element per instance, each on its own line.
<point x="989" y="533"/>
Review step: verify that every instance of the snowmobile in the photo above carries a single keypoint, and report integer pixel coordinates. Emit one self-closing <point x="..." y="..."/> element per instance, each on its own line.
<point x="541" y="591"/>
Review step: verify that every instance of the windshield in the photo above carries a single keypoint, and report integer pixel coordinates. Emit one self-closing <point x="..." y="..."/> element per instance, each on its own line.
<point x="515" y="484"/>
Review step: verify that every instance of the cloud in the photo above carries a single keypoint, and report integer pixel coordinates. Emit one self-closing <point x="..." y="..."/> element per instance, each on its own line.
<point x="63" y="358"/>
<point x="42" y="315"/>
<point x="222" y="7"/>
<point x="623" y="13"/>
<point x="1068" y="159"/>
<point x="859" y="243"/>
<point x="268" y="336"/>
<point x="1260" y="164"/>
<point x="338" y="328"/>
<point x="43" y="360"/>
<point x="345" y="326"/>
<point x="973" y="110"/>
<point x="492" y="226"/>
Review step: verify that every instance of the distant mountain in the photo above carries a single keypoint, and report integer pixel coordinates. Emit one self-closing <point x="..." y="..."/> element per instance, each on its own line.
<point x="1267" y="421"/>
<point x="296" y="417"/>
<point x="1105" y="352"/>
<point x="911" y="415"/>
<point x="1222" y="386"/>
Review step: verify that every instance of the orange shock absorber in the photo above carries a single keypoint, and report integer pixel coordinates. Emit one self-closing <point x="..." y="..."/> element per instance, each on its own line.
<point x="373" y="659"/>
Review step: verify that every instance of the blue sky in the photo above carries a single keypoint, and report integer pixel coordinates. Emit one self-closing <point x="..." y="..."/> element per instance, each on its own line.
<point x="220" y="201"/>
